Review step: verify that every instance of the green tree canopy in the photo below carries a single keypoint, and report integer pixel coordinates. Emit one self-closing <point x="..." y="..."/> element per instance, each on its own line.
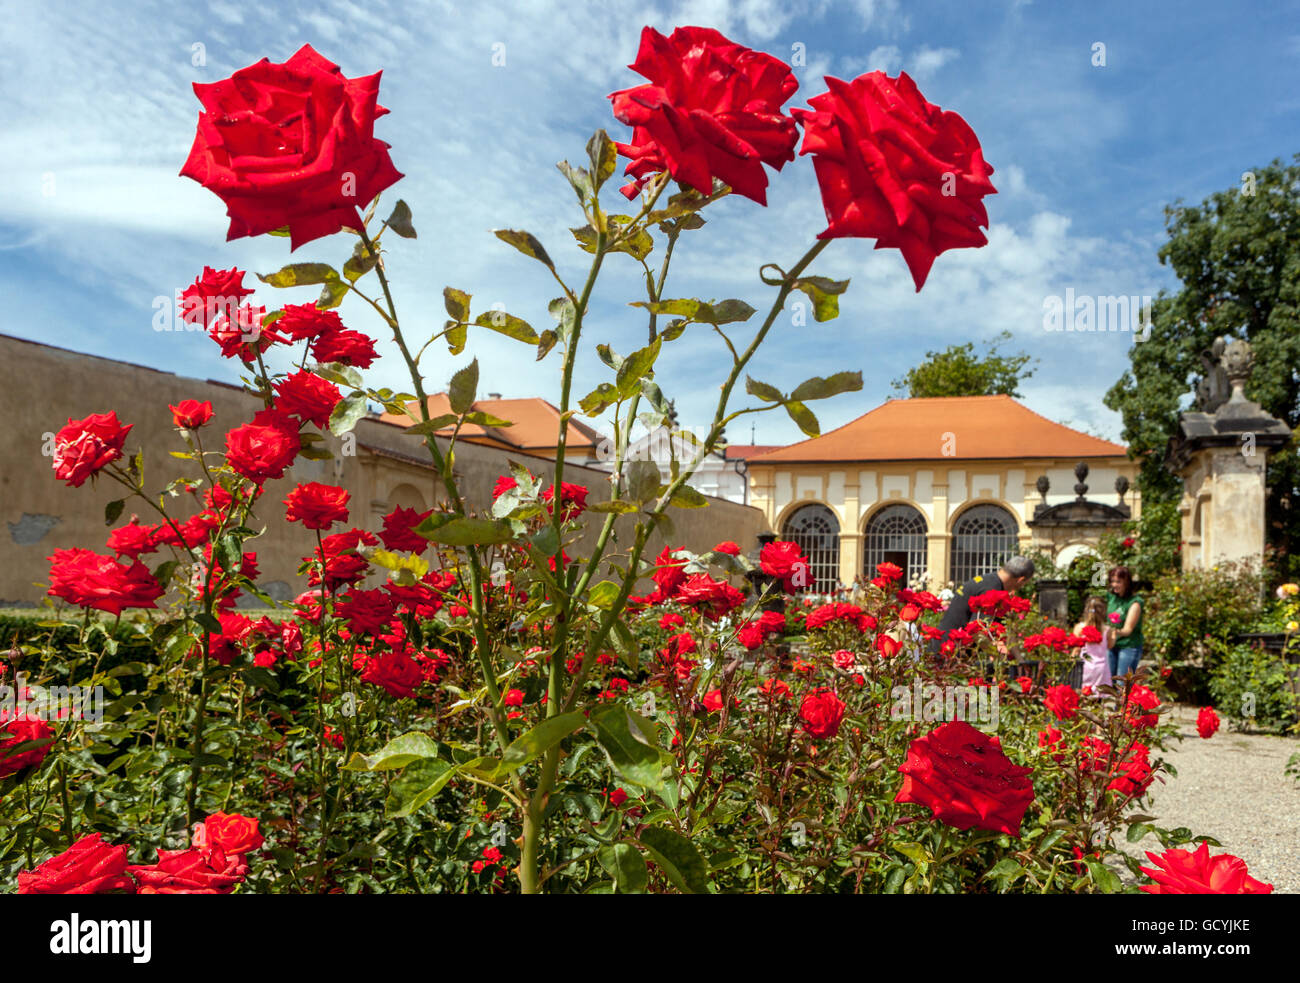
<point x="958" y="371"/>
<point x="1237" y="255"/>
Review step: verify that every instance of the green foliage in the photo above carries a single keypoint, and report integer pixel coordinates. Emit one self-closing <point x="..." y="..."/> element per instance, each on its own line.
<point x="1254" y="688"/>
<point x="1238" y="258"/>
<point x="1154" y="541"/>
<point x="958" y="371"/>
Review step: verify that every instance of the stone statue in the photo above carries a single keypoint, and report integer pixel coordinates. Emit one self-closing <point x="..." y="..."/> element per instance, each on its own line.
<point x="1213" y="388"/>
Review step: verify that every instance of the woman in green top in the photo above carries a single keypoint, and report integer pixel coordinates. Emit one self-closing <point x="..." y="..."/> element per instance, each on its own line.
<point x="1121" y="601"/>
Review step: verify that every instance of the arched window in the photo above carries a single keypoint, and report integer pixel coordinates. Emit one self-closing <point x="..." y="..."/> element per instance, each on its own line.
<point x="982" y="537"/>
<point x="407" y="496"/>
<point x="896" y="534"/>
<point x="817" y="531"/>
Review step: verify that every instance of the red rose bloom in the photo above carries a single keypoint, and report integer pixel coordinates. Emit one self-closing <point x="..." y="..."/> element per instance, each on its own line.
<point x="85" y="447"/>
<point x="890" y="571"/>
<point x="264" y="448"/>
<point x="346" y="346"/>
<point x="1133" y="775"/>
<point x="712" y="109"/>
<point x="668" y="576"/>
<point x="786" y="561"/>
<point x="888" y="646"/>
<point x="1179" y="871"/>
<point x="317" y="506"/>
<point x="1063" y="701"/>
<point x="1141" y="698"/>
<point x="308" y="397"/>
<point x="728" y="547"/>
<point x="894" y="168"/>
<point x="822" y="712"/>
<point x="1207" y="722"/>
<point x="395" y="672"/>
<point x="1050" y="741"/>
<point x="503" y="485"/>
<point x="242" y="335"/>
<point x="750" y="636"/>
<point x="617" y="797"/>
<point x="191" y="871"/>
<point x="89" y="866"/>
<point x="397" y="533"/>
<point x="715" y="598"/>
<point x="88" y="580"/>
<point x="299" y="321"/>
<point x="215" y="292"/>
<point x="573" y="499"/>
<point x="233" y="834"/>
<point x="190" y="414"/>
<point x="773" y="688"/>
<point x="20" y="731"/>
<point x="671" y="620"/>
<point x="966" y="780"/>
<point x="291" y="145"/>
<point x="133" y="539"/>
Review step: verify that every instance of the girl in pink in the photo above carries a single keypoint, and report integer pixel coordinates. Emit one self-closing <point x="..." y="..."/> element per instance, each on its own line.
<point x="1096" y="666"/>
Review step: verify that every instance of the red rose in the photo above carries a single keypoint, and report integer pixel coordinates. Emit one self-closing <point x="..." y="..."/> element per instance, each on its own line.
<point x="894" y="168"/>
<point x="786" y="561"/>
<point x="713" y="109"/>
<point x="966" y="780"/>
<point x="617" y="797"/>
<point x="395" y="672"/>
<point x="88" y="580"/>
<point x="1063" y="701"/>
<point x="308" y="397"/>
<point x="346" y="346"/>
<point x="888" y="646"/>
<point x="1050" y="741"/>
<point x="513" y="698"/>
<point x="750" y="636"/>
<point x="773" y="688"/>
<point x="133" y="539"/>
<point x="397" y="533"/>
<point x="1128" y="541"/>
<point x="20" y="731"/>
<point x="715" y="598"/>
<point x="668" y="575"/>
<point x="84" y="447"/>
<point x="232" y="834"/>
<point x="89" y="866"/>
<point x="1133" y="775"/>
<point x="190" y="414"/>
<point x="1141" y="698"/>
<point x="291" y="145"/>
<point x="822" y="712"/>
<point x="728" y="547"/>
<point x="573" y="499"/>
<point x="242" y="334"/>
<point x="317" y="506"/>
<point x="264" y="448"/>
<point x="1180" y="871"/>
<point x="215" y="292"/>
<point x="671" y="620"/>
<point x="1207" y="722"/>
<point x="890" y="571"/>
<point x="299" y="321"/>
<point x="772" y="622"/>
<point x="844" y="659"/>
<point x="713" y="700"/>
<point x="191" y="871"/>
<point x="366" y="610"/>
<point x="503" y="485"/>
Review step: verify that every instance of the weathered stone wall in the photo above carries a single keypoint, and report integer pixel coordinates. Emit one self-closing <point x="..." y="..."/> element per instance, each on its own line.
<point x="42" y="387"/>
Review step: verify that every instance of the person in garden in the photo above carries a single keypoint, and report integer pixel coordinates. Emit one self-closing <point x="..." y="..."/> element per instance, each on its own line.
<point x="1010" y="577"/>
<point x="1096" y="666"/>
<point x="1124" y="610"/>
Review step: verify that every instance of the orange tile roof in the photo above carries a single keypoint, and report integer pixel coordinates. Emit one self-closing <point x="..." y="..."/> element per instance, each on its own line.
<point x="535" y="422"/>
<point x="746" y="451"/>
<point x="982" y="427"/>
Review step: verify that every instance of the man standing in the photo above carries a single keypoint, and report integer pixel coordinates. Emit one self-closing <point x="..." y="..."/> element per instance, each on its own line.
<point x="1009" y="577"/>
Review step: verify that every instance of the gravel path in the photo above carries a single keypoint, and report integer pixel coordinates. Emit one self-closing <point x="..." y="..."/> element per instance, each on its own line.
<point x="1232" y="787"/>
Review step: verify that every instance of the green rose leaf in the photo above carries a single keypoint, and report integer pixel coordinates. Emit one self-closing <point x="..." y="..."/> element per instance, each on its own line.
<point x="678" y="859"/>
<point x="596" y="401"/>
<point x="360" y="263"/>
<point x="112" y="510"/>
<point x="486" y="419"/>
<point x="763" y="391"/>
<point x="400" y="220"/>
<point x="824" y="294"/>
<point x="634" y="367"/>
<point x="526" y="243"/>
<point x="545" y="342"/>
<point x="463" y="388"/>
<point x="300" y="274"/>
<point x="397" y="753"/>
<point x="433" y="425"/>
<point x="603" y="156"/>
<point x="579" y="178"/>
<point x="347" y="412"/>
<point x="456" y="530"/>
<point x="603" y="595"/>
<point x="331" y="295"/>
<point x="624" y="863"/>
<point x="536" y="742"/>
<point x="508" y="325"/>
<point x="819" y="388"/>
<point x="456" y="302"/>
<point x="416" y="785"/>
<point x="628" y="740"/>
<point x="641" y="479"/>
<point x="803" y="416"/>
<point x="457" y="333"/>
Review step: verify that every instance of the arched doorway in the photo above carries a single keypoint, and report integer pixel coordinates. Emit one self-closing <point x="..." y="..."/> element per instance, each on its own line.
<point x="817" y="531"/>
<point x="982" y="537"/>
<point x="896" y="534"/>
<point x="407" y="496"/>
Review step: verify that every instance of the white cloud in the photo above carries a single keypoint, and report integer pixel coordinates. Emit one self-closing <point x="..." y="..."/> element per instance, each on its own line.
<point x="927" y="61"/>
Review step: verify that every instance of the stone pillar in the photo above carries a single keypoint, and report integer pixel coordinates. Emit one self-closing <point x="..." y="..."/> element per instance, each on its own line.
<point x="1221" y="453"/>
<point x="938" y="540"/>
<point x="850" y="536"/>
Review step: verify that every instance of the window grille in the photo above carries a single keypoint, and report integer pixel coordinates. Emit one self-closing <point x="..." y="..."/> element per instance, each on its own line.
<point x="817" y="531"/>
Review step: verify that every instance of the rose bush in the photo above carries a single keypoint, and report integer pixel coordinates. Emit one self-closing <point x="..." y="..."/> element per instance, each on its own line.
<point x="455" y="701"/>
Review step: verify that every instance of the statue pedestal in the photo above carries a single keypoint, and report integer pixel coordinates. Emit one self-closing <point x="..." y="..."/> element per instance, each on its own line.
<point x="1222" y="458"/>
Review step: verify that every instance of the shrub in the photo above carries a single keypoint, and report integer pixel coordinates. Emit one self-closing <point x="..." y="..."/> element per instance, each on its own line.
<point x="1254" y="688"/>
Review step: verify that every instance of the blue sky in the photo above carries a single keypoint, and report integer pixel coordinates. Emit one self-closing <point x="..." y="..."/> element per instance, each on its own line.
<point x="97" y="116"/>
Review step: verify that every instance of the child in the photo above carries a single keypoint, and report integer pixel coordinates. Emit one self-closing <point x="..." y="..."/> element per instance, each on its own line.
<point x="1096" y="670"/>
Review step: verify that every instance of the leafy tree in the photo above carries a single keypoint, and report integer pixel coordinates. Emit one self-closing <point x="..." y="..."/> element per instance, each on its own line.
<point x="1237" y="255"/>
<point x="958" y="371"/>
